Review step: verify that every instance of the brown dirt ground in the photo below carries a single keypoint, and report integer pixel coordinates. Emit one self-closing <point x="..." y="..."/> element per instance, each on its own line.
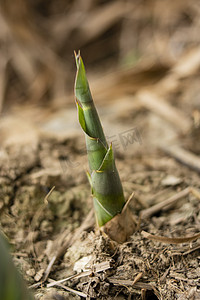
<point x="33" y="161"/>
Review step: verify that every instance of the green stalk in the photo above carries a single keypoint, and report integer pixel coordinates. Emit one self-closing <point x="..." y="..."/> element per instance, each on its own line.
<point x="12" y="286"/>
<point x="104" y="179"/>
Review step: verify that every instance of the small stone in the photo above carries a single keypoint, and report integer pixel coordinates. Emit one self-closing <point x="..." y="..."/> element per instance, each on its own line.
<point x="171" y="180"/>
<point x="83" y="263"/>
<point x="30" y="272"/>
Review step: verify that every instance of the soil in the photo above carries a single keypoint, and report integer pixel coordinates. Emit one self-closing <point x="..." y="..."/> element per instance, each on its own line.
<point x="42" y="222"/>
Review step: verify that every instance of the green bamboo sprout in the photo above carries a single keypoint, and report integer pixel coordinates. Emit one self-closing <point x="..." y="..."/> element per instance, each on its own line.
<point x="12" y="286"/>
<point x="107" y="192"/>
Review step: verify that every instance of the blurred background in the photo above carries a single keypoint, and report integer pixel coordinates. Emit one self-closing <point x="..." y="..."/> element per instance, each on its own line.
<point x="38" y="38"/>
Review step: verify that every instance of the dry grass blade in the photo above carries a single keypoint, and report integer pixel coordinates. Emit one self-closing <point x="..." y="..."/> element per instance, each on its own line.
<point x="78" y="293"/>
<point x="80" y="275"/>
<point x="3" y="65"/>
<point x="168" y="240"/>
<point x="103" y="266"/>
<point x="48" y="195"/>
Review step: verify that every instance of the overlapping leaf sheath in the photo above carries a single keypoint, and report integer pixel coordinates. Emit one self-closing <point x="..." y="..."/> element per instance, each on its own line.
<point x="104" y="178"/>
<point x="12" y="286"/>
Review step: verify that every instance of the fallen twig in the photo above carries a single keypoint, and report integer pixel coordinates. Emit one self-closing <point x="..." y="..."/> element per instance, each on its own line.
<point x="137" y="285"/>
<point x="145" y="213"/>
<point x="187" y="252"/>
<point x="185" y="157"/>
<point x="171" y="114"/>
<point x="191" y="250"/>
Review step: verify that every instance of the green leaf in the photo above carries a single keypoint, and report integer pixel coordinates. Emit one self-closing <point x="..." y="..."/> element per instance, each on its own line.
<point x="81" y="116"/>
<point x="12" y="286"/>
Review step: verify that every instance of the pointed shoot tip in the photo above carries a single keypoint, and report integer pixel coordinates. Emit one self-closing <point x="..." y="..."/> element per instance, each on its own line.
<point x="77" y="58"/>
